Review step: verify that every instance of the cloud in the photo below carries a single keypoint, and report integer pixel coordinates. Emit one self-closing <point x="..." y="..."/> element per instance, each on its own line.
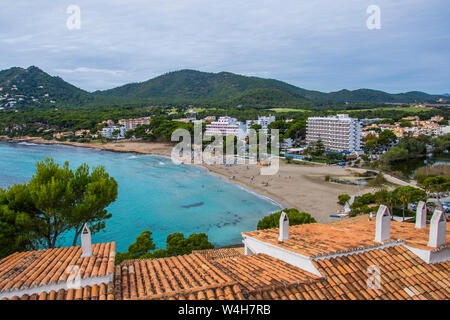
<point x="89" y="70"/>
<point x="318" y="44"/>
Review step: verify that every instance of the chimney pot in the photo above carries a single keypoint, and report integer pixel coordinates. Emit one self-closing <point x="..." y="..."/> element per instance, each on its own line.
<point x="383" y="224"/>
<point x="284" y="227"/>
<point x="438" y="229"/>
<point x="421" y="215"/>
<point x="86" y="245"/>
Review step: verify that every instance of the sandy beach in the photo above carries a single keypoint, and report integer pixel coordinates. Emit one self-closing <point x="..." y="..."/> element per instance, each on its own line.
<point x="295" y="186"/>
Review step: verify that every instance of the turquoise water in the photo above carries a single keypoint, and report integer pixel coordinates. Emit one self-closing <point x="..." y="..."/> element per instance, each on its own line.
<point x="154" y="194"/>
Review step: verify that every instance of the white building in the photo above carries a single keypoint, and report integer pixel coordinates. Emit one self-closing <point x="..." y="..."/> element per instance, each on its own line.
<point x="131" y="124"/>
<point x="338" y="133"/>
<point x="226" y="126"/>
<point x="108" y="132"/>
<point x="262" y="121"/>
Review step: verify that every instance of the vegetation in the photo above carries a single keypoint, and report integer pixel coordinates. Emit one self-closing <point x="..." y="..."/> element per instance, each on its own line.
<point x="407" y="148"/>
<point x="295" y="218"/>
<point x="343" y="198"/>
<point x="56" y="200"/>
<point x="176" y="244"/>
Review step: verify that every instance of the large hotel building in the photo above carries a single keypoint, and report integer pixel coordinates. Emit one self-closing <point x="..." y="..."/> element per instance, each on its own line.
<point x="226" y="126"/>
<point x="338" y="133"/>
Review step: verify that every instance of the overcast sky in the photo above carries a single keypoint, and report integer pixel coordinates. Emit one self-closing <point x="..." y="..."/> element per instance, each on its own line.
<point x="315" y="44"/>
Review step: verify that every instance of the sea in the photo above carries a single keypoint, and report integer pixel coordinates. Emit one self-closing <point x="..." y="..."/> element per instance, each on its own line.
<point x="154" y="194"/>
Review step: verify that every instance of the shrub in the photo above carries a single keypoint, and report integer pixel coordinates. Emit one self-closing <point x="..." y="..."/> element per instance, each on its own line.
<point x="295" y="218"/>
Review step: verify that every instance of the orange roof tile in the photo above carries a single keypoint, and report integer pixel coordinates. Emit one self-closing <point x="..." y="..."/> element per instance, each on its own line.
<point x="321" y="239"/>
<point x="95" y="292"/>
<point x="22" y="270"/>
<point x="434" y="283"/>
<point x="214" y="254"/>
<point x="258" y="271"/>
<point x="162" y="278"/>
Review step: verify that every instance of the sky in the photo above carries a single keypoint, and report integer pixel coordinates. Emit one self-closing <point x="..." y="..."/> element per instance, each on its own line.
<point x="321" y="45"/>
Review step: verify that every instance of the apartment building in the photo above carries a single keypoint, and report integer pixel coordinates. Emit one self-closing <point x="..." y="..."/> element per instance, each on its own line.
<point x="338" y="133"/>
<point x="108" y="132"/>
<point x="226" y="126"/>
<point x="131" y="124"/>
<point x="262" y="121"/>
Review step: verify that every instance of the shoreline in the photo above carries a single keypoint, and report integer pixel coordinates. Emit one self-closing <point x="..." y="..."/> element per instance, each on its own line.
<point x="110" y="147"/>
<point x="303" y="187"/>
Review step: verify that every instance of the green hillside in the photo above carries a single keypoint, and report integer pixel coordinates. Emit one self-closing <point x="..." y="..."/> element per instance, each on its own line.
<point x="33" y="86"/>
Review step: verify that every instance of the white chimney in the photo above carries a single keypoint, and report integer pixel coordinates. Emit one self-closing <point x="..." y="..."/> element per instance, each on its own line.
<point x="421" y="215"/>
<point x="284" y="227"/>
<point x="383" y="224"/>
<point x="86" y="246"/>
<point x="438" y="229"/>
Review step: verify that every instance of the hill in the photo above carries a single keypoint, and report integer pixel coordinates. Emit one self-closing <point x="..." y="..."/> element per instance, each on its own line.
<point x="32" y="86"/>
<point x="190" y="86"/>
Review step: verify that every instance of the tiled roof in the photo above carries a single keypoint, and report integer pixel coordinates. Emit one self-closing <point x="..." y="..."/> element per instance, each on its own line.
<point x="166" y="277"/>
<point x="403" y="276"/>
<point x="261" y="271"/>
<point x="40" y="268"/>
<point x="95" y="292"/>
<point x="214" y="254"/>
<point x="228" y="292"/>
<point x="320" y="239"/>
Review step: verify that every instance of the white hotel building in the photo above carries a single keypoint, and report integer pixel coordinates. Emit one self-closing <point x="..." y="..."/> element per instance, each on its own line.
<point x="262" y="121"/>
<point x="338" y="133"/>
<point x="226" y="126"/>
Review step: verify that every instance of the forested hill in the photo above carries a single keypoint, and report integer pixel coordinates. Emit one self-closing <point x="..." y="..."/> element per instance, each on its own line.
<point x="196" y="86"/>
<point x="34" y="85"/>
<point x="23" y="86"/>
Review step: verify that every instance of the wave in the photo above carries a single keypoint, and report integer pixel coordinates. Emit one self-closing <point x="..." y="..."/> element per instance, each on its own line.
<point x="27" y="143"/>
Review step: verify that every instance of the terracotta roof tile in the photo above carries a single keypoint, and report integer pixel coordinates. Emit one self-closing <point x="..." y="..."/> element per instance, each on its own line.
<point x="260" y="270"/>
<point x="214" y="254"/>
<point x="20" y="271"/>
<point x="321" y="239"/>
<point x="189" y="276"/>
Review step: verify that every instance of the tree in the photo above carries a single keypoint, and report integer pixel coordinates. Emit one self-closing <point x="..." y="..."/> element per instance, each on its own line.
<point x="378" y="181"/>
<point x="143" y="244"/>
<point x="371" y="145"/>
<point x="319" y="148"/>
<point x="387" y="198"/>
<point x="295" y="218"/>
<point x="57" y="200"/>
<point x="386" y="137"/>
<point x="405" y="124"/>
<point x="177" y="244"/>
<point x="408" y="194"/>
<point x="343" y="199"/>
<point x="93" y="192"/>
<point x="297" y="130"/>
<point x="256" y="127"/>
<point x="436" y="184"/>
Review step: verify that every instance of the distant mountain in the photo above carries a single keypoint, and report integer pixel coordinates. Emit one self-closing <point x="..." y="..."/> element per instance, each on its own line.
<point x="32" y="85"/>
<point x="446" y="94"/>
<point x="196" y="86"/>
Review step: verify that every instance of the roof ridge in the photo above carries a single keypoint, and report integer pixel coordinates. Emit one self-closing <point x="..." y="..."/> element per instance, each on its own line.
<point x="361" y="249"/>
